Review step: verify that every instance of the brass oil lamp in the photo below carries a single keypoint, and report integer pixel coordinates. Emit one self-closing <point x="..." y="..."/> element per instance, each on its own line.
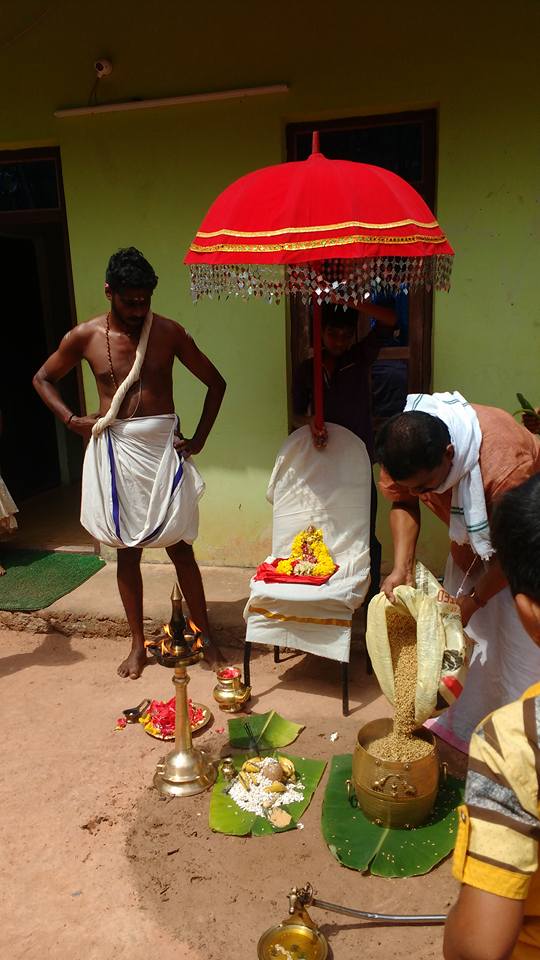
<point x="185" y="771"/>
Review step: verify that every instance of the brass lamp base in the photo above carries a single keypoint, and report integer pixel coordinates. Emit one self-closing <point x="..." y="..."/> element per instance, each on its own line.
<point x="184" y="773"/>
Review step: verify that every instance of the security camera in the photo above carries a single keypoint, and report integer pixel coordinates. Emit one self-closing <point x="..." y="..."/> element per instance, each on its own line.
<point x="103" y="68"/>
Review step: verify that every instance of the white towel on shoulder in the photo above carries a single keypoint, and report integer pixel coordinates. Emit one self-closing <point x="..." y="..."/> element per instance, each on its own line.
<point x="468" y="514"/>
<point x="136" y="490"/>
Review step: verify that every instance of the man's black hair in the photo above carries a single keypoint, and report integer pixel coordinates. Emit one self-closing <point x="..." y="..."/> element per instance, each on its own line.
<point x="128" y="269"/>
<point x="515" y="534"/>
<point x="334" y="315"/>
<point x="410" y="442"/>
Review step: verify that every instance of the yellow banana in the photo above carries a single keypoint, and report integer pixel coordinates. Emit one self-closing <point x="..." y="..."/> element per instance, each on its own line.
<point x="276" y="787"/>
<point x="244" y="780"/>
<point x="251" y="767"/>
<point x="287" y="765"/>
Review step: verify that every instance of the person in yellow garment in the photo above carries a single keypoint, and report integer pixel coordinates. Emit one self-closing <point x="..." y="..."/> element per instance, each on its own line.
<point x="497" y="915"/>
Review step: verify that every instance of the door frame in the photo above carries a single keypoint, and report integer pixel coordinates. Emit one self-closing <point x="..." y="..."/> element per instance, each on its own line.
<point x="14" y="223"/>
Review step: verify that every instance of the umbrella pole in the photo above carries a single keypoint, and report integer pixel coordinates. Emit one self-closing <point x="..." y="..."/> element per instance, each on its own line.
<point x="317" y="366"/>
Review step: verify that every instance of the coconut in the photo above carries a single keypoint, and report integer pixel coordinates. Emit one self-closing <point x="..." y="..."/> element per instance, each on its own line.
<point x="273" y="770"/>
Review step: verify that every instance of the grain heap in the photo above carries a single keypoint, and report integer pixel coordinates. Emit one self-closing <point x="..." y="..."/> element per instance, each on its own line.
<point x="401" y="744"/>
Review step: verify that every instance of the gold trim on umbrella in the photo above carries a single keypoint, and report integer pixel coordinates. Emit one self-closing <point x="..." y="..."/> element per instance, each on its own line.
<point x="312" y="244"/>
<point x="329" y="226"/>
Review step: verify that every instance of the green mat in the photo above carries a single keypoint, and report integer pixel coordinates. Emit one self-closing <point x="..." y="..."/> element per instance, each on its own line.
<point x="36" y="578"/>
<point x="361" y="845"/>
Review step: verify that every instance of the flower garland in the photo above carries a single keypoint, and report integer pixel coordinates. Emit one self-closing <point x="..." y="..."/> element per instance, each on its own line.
<point x="309" y="556"/>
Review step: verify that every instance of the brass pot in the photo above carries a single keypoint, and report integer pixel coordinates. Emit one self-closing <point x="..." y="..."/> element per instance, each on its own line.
<point x="231" y="694"/>
<point x="394" y="793"/>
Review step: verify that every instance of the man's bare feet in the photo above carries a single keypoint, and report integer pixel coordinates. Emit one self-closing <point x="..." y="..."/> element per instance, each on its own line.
<point x="134" y="664"/>
<point x="2" y="570"/>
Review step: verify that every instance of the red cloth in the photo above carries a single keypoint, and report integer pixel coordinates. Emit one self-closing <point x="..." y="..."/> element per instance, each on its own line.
<point x="310" y="210"/>
<point x="268" y="573"/>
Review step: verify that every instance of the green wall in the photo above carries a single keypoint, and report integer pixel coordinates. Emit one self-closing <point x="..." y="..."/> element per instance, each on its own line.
<point x="147" y="178"/>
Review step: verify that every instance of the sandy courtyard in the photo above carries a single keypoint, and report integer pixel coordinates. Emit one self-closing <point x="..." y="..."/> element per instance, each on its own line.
<point x="96" y="865"/>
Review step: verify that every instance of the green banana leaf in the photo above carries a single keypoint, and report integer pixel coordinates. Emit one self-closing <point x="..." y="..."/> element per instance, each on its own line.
<point x="227" y="817"/>
<point x="270" y="731"/>
<point x="361" y="845"/>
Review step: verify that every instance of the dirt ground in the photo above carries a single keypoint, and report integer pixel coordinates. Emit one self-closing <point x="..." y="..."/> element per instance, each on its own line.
<point x="96" y="865"/>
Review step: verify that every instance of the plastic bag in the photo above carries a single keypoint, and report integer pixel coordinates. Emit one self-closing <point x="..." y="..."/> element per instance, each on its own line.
<point x="443" y="649"/>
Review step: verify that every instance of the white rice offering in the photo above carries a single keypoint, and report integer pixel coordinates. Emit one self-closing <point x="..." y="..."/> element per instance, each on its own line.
<point x="259" y="799"/>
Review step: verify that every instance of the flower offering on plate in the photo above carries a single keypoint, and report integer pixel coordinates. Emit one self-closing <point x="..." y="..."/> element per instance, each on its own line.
<point x="160" y="719"/>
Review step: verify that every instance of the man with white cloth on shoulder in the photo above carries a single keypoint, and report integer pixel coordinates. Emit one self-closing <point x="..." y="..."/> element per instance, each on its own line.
<point x="140" y="489"/>
<point x="458" y="458"/>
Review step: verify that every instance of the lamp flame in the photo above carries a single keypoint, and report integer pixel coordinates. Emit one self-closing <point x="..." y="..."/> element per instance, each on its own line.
<point x="167" y="643"/>
<point x="198" y="642"/>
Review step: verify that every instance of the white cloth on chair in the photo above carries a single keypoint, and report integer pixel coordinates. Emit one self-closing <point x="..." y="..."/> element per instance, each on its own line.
<point x="330" y="489"/>
<point x="136" y="490"/>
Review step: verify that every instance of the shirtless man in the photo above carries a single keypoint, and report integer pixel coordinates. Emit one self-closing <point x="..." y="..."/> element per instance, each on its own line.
<point x="109" y="343"/>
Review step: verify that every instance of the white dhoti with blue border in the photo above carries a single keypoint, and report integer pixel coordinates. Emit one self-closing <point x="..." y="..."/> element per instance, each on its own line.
<point x="137" y="491"/>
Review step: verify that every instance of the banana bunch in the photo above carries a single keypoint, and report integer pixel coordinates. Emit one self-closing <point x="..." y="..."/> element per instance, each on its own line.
<point x="279" y="770"/>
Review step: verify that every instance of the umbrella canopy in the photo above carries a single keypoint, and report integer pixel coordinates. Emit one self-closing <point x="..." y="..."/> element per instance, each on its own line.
<point x="339" y="228"/>
<point x="327" y="230"/>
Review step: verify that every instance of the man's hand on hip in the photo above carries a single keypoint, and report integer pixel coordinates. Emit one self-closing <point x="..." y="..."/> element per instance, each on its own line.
<point x="82" y="425"/>
<point x="186" y="448"/>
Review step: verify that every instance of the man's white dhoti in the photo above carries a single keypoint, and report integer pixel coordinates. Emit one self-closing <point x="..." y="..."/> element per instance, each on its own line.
<point x="137" y="491"/>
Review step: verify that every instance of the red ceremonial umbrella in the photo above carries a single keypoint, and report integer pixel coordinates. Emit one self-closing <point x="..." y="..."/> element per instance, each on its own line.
<point x="326" y="230"/>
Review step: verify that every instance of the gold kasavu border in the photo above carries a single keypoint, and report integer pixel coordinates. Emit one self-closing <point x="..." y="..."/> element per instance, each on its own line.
<point x="283" y="617"/>
<point x="226" y="232"/>
<point x="312" y="244"/>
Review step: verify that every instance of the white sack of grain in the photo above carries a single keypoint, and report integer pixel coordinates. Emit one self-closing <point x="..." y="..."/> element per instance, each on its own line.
<point x="443" y="649"/>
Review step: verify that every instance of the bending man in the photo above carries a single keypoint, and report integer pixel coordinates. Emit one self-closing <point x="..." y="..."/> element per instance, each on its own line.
<point x="457" y="458"/>
<point x="140" y="488"/>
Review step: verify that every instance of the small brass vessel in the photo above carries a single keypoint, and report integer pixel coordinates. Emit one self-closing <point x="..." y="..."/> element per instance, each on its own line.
<point x="230" y="693"/>
<point x="228" y="768"/>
